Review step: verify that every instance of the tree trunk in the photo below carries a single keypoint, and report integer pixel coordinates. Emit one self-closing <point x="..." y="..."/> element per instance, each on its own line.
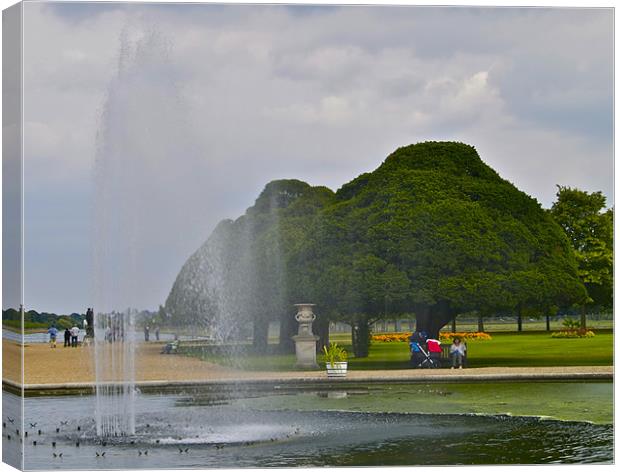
<point x="321" y="329"/>
<point x="432" y="319"/>
<point x="519" y="320"/>
<point x="288" y="329"/>
<point x="361" y="338"/>
<point x="548" y="323"/>
<point x="397" y="326"/>
<point x="260" y="338"/>
<point x="480" y="324"/>
<point x="454" y="325"/>
<point x="583" y="317"/>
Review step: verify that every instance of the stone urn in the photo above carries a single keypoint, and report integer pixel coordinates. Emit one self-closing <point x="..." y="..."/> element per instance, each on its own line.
<point x="305" y="340"/>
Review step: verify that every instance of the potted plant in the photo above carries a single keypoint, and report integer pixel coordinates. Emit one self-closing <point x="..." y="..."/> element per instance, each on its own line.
<point x="335" y="360"/>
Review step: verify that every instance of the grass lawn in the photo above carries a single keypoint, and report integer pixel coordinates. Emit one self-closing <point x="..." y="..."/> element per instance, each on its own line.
<point x="535" y="349"/>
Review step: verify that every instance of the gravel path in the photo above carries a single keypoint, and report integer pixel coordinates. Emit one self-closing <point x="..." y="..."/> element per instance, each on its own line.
<point x="45" y="366"/>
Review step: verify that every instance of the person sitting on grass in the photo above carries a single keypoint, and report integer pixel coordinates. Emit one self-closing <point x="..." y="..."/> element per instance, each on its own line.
<point x="457" y="352"/>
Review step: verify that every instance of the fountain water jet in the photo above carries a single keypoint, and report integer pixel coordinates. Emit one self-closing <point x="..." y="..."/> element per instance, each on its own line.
<point x="115" y="373"/>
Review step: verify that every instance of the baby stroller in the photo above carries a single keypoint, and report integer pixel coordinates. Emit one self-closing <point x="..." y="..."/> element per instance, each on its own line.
<point x="421" y="358"/>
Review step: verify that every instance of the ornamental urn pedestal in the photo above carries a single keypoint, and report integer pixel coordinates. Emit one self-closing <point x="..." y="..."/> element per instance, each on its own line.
<point x="305" y="340"/>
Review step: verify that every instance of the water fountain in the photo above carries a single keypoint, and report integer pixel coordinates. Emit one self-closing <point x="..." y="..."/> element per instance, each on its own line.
<point x="114" y="349"/>
<point x="142" y="124"/>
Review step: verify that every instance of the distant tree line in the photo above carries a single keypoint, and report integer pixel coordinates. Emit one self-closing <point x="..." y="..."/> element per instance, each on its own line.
<point x="433" y="231"/>
<point x="34" y="319"/>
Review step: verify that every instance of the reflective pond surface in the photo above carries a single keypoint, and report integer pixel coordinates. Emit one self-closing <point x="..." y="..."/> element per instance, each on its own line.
<point x="199" y="430"/>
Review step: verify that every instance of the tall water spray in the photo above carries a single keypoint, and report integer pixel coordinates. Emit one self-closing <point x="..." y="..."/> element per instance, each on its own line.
<point x="142" y="133"/>
<point x="115" y="373"/>
<point x="237" y="279"/>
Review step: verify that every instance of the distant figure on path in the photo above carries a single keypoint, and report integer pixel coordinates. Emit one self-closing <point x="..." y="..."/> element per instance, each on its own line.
<point x="53" y="332"/>
<point x="75" y="331"/>
<point x="157" y="333"/>
<point x="457" y="351"/>
<point x="90" y="331"/>
<point x="67" y="337"/>
<point x="146" y="332"/>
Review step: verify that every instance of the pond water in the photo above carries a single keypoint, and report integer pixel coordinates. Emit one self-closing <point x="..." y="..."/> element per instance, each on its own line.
<point x="198" y="430"/>
<point x="43" y="337"/>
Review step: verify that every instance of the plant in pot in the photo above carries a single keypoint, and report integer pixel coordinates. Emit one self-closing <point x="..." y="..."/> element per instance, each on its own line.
<point x="335" y="360"/>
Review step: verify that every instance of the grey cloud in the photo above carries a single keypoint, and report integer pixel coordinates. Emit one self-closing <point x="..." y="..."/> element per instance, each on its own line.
<point x="215" y="101"/>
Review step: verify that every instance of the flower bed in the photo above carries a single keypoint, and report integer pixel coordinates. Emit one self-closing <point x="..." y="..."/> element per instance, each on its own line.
<point x="391" y="337"/>
<point x="468" y="336"/>
<point x="443" y="337"/>
<point x="573" y="333"/>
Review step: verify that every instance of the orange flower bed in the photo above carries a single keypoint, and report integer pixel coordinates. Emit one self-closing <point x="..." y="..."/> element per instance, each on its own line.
<point x="443" y="337"/>
<point x="469" y="336"/>
<point x="391" y="337"/>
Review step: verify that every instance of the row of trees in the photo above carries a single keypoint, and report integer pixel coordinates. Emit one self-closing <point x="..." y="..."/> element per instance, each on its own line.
<point x="433" y="231"/>
<point x="32" y="318"/>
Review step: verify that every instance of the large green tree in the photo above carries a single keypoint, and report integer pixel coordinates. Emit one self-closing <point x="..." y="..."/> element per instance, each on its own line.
<point x="436" y="232"/>
<point x="433" y="231"/>
<point x="240" y="275"/>
<point x="589" y="227"/>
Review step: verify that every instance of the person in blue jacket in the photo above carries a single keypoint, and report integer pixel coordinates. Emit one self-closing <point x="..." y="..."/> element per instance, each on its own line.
<point x="415" y="340"/>
<point x="53" y="332"/>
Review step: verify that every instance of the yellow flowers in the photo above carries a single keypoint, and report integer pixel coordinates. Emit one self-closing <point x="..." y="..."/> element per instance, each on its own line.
<point x="443" y="337"/>
<point x="575" y="333"/>
<point x="468" y="336"/>
<point x="391" y="337"/>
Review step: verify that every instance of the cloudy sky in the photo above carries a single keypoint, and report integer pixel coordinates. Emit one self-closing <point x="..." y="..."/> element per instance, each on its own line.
<point x="147" y="124"/>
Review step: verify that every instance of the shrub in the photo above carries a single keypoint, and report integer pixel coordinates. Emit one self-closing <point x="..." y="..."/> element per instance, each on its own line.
<point x="334" y="353"/>
<point x="571" y="325"/>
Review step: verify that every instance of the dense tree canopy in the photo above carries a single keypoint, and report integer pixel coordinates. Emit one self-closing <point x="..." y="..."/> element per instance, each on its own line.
<point x="589" y="228"/>
<point x="433" y="231"/>
<point x="240" y="273"/>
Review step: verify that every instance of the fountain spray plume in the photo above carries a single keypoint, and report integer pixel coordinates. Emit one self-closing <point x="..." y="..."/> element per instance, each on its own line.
<point x="140" y="130"/>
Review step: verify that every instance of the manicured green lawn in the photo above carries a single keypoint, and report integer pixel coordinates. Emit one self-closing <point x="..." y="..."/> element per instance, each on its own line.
<point x="506" y="350"/>
<point x="539" y="349"/>
<point x="527" y="349"/>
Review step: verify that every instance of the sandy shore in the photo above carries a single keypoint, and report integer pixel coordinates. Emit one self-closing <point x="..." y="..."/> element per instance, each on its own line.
<point x="44" y="366"/>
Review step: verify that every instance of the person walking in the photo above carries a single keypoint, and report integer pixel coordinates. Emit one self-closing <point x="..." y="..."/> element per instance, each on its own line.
<point x="67" y="337"/>
<point x="146" y="332"/>
<point x="157" y="333"/>
<point x="75" y="331"/>
<point x="53" y="332"/>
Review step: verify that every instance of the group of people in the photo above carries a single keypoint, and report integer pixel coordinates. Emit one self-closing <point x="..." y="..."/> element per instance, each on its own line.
<point x="71" y="336"/>
<point x="147" y="333"/>
<point x="426" y="352"/>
